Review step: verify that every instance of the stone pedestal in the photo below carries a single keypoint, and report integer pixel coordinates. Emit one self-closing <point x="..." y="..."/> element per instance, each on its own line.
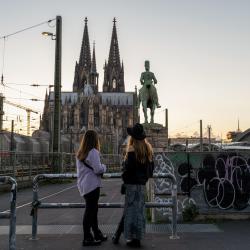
<point x="157" y="136"/>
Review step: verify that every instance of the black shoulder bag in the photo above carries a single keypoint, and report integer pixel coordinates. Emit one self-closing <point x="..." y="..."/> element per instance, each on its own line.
<point x="87" y="165"/>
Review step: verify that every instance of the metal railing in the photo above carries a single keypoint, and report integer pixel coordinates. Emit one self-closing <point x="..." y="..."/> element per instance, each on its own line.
<point x="23" y="166"/>
<point x="37" y="204"/>
<point x="11" y="214"/>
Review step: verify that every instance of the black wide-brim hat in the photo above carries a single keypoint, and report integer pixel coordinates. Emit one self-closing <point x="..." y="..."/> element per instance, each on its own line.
<point x="137" y="132"/>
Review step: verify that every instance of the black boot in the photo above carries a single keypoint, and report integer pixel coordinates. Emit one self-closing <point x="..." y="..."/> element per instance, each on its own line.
<point x="134" y="243"/>
<point x="90" y="241"/>
<point x="98" y="235"/>
<point x="119" y="231"/>
<point x="116" y="237"/>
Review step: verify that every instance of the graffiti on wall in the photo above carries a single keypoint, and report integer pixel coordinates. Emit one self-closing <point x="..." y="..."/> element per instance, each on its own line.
<point x="225" y="179"/>
<point x="164" y="186"/>
<point x="221" y="179"/>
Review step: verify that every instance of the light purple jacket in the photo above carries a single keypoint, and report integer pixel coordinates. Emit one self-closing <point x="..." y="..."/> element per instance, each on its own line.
<point x="87" y="179"/>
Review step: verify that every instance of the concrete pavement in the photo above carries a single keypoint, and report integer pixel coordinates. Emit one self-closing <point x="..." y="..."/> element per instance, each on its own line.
<point x="61" y="228"/>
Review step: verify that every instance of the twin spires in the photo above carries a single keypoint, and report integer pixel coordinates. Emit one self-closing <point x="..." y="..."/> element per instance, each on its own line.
<point x="85" y="70"/>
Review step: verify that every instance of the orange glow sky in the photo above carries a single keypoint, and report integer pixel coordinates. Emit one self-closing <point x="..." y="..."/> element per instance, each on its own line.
<point x="199" y="51"/>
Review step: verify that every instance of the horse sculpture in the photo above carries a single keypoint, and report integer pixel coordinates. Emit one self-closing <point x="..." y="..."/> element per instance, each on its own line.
<point x="148" y="94"/>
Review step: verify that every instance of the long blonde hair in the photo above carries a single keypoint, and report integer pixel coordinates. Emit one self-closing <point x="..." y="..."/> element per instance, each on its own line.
<point x="89" y="141"/>
<point x="142" y="148"/>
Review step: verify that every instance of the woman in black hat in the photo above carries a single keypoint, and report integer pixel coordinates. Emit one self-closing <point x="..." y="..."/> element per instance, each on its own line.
<point x="138" y="168"/>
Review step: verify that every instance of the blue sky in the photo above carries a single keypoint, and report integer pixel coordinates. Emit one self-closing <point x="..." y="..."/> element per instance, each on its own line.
<point x="199" y="51"/>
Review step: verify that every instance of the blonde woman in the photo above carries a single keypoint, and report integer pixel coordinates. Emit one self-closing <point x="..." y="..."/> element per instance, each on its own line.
<point x="89" y="170"/>
<point x="138" y="168"/>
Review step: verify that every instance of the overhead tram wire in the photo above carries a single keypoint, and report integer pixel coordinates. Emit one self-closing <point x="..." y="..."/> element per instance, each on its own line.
<point x="32" y="85"/>
<point x="20" y="91"/>
<point x="31" y="27"/>
<point x="17" y="32"/>
<point x="27" y="99"/>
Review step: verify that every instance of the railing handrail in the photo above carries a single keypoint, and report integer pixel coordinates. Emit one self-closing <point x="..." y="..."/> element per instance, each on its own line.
<point x="12" y="213"/>
<point x="37" y="204"/>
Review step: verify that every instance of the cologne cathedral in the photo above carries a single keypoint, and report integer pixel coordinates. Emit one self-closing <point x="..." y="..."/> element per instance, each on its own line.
<point x="109" y="111"/>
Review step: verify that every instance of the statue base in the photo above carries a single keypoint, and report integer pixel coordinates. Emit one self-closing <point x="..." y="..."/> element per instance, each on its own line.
<point x="156" y="136"/>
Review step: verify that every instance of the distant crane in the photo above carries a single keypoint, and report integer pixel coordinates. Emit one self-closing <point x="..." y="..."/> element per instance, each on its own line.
<point x="28" y="110"/>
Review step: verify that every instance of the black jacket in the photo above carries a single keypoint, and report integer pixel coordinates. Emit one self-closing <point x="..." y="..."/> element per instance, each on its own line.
<point x="135" y="172"/>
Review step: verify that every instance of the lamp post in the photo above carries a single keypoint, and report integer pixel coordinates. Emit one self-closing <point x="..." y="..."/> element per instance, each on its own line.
<point x="56" y="137"/>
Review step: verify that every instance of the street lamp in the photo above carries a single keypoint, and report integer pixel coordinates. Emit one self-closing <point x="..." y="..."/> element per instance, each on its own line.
<point x="53" y="36"/>
<point x="56" y="139"/>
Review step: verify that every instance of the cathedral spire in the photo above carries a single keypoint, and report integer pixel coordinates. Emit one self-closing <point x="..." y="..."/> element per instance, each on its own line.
<point x="93" y="73"/>
<point x="83" y="68"/>
<point x="93" y="63"/>
<point x="113" y="71"/>
<point x="114" y="54"/>
<point x="85" y="57"/>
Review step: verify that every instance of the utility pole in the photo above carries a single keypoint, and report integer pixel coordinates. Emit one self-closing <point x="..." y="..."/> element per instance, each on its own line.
<point x="209" y="137"/>
<point x="201" y="137"/>
<point x="12" y="146"/>
<point x="71" y="141"/>
<point x="166" y="124"/>
<point x="56" y="141"/>
<point x="117" y="140"/>
<point x="1" y="111"/>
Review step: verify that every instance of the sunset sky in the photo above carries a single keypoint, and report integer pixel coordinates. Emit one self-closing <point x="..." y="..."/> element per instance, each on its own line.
<point x="199" y="51"/>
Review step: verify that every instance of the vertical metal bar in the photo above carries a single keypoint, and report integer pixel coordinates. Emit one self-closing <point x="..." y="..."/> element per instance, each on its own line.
<point x="28" y="122"/>
<point x="14" y="163"/>
<point x="1" y="112"/>
<point x="35" y="210"/>
<point x="12" y="229"/>
<point x="30" y="167"/>
<point x="57" y="96"/>
<point x="174" y="235"/>
<point x="209" y="137"/>
<point x="12" y="146"/>
<point x="201" y="137"/>
<point x="189" y="174"/>
<point x="166" y="124"/>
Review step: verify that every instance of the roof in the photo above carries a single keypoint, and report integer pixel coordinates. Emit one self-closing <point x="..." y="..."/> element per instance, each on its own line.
<point x="65" y="96"/>
<point x="116" y="98"/>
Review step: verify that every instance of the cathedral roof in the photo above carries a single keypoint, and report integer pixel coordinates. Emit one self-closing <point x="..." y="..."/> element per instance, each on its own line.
<point x="65" y="96"/>
<point x="118" y="99"/>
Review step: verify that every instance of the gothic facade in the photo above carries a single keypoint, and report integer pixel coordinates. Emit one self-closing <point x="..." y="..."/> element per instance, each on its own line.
<point x="109" y="111"/>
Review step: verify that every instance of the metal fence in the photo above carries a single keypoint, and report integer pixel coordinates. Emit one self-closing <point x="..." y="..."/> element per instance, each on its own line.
<point x="37" y="204"/>
<point x="24" y="166"/>
<point x="11" y="214"/>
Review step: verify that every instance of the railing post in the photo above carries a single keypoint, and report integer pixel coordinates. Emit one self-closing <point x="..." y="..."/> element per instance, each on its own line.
<point x="174" y="235"/>
<point x="30" y="167"/>
<point x="34" y="209"/>
<point x="11" y="215"/>
<point x="12" y="230"/>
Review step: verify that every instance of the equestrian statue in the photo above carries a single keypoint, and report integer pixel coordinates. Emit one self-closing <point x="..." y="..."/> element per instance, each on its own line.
<point x="148" y="93"/>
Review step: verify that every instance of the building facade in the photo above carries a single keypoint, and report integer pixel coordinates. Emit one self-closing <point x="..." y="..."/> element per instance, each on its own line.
<point x="109" y="111"/>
